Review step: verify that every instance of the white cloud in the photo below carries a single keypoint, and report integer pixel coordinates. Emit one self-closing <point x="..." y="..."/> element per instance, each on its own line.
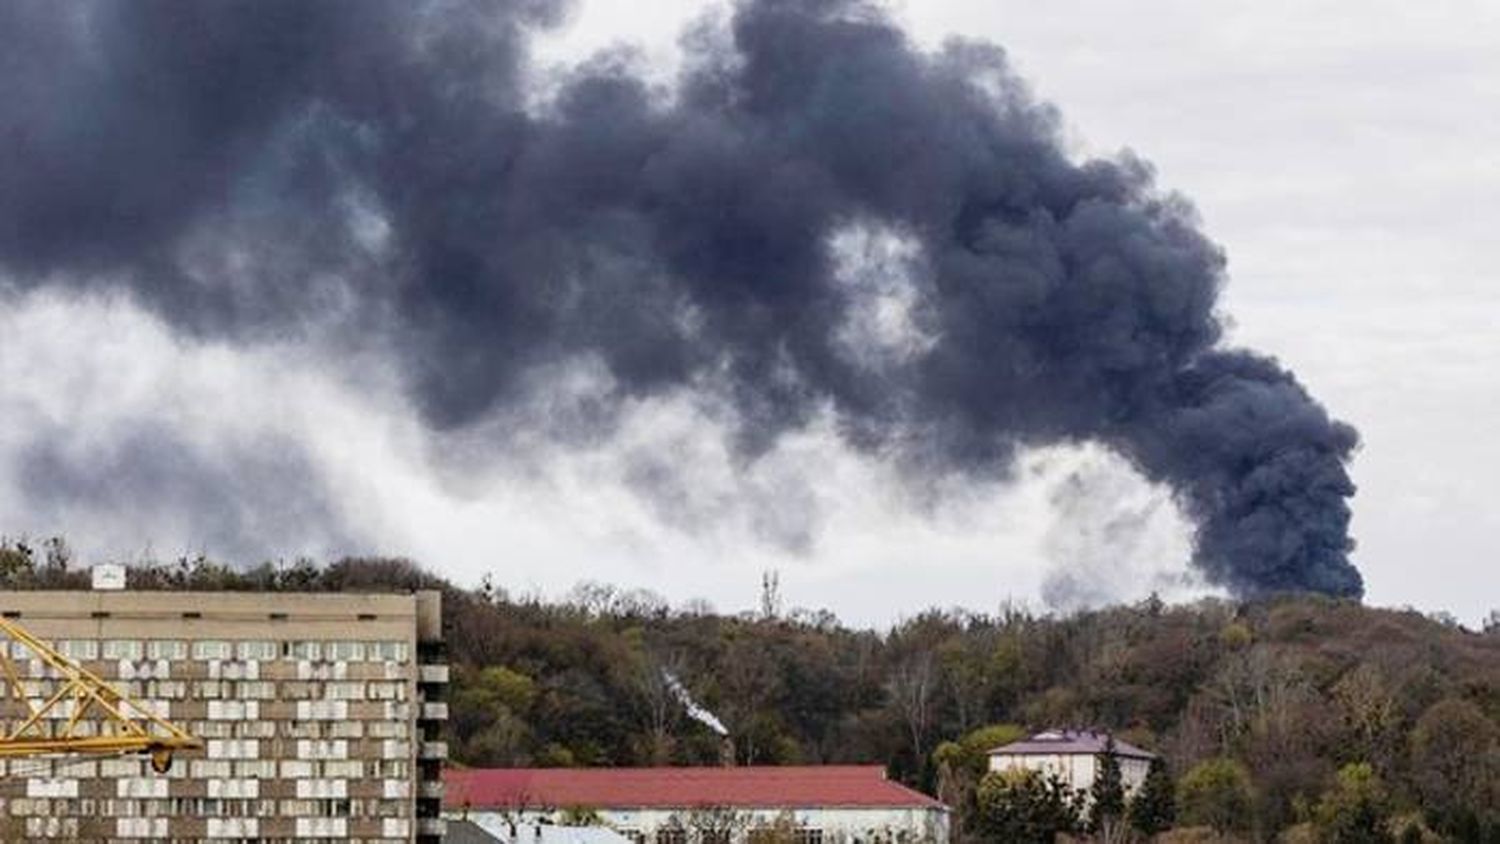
<point x="843" y="529"/>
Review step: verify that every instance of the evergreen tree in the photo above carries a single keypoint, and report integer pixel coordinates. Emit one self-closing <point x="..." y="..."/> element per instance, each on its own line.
<point x="1107" y="794"/>
<point x="1153" y="810"/>
<point x="1025" y="807"/>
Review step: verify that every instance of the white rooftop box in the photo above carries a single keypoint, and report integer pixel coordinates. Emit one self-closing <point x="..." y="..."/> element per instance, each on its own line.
<point x="109" y="577"/>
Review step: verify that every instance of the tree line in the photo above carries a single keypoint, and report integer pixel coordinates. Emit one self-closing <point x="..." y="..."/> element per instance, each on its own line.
<point x="1291" y="718"/>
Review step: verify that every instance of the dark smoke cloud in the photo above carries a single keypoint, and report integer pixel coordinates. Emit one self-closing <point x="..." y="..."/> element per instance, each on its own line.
<point x="370" y="167"/>
<point x="148" y="477"/>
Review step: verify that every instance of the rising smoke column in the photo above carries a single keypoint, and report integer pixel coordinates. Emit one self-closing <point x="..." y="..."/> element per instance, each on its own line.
<point x="370" y="171"/>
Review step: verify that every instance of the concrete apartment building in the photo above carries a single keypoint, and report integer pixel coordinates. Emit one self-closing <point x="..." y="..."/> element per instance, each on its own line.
<point x="321" y="717"/>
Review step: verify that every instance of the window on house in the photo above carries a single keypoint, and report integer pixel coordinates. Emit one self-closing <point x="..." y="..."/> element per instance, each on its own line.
<point x="808" y="836"/>
<point x="671" y="836"/>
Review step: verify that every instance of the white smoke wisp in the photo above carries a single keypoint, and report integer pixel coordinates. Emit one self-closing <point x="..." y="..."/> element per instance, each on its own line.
<point x="694" y="711"/>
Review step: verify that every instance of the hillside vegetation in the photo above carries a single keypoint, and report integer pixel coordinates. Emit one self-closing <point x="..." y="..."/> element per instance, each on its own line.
<point x="1286" y="716"/>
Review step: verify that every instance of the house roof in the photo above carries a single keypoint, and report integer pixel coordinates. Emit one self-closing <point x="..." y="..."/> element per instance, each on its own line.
<point x="605" y="788"/>
<point x="1066" y="742"/>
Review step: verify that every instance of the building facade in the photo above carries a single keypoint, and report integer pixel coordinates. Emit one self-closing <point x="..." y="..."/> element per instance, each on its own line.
<point x="830" y="804"/>
<point x="321" y="717"/>
<point x="1073" y="757"/>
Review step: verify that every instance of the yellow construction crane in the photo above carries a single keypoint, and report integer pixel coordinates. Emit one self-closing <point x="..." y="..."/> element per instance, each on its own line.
<point x="127" y="726"/>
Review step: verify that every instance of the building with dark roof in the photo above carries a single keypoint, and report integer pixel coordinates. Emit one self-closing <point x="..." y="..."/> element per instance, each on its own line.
<point x="1072" y="756"/>
<point x="832" y="804"/>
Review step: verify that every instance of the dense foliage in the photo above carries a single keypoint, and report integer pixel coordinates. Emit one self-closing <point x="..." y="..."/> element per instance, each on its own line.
<point x="1025" y="807"/>
<point x="1257" y="708"/>
<point x="1153" y="808"/>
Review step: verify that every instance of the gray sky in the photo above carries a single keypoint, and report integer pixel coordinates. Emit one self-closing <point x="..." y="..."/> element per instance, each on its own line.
<point x="1347" y="158"/>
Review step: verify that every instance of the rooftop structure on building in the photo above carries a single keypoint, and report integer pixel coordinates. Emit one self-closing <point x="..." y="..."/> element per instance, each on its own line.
<point x="815" y="804"/>
<point x="320" y="714"/>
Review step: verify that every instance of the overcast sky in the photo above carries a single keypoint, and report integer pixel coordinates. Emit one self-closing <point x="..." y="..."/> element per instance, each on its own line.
<point x="1346" y="156"/>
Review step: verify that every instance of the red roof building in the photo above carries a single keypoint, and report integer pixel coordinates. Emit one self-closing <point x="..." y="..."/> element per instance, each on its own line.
<point x="782" y="787"/>
<point x="824" y="803"/>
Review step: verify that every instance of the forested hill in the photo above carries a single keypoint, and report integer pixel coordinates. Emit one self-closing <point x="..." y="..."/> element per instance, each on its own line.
<point x="1291" y="689"/>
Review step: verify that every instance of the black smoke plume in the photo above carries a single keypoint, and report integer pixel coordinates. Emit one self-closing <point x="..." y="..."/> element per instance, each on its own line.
<point x="375" y="169"/>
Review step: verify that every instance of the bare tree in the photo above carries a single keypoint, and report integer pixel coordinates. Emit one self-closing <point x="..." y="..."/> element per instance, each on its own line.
<point x="660" y="706"/>
<point x="911" y="687"/>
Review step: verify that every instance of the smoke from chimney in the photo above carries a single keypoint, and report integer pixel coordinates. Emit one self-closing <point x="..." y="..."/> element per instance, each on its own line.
<point x="693" y="709"/>
<point x="370" y="171"/>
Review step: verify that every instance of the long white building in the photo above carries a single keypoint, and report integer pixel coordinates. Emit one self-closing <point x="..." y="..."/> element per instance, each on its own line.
<point x="832" y="804"/>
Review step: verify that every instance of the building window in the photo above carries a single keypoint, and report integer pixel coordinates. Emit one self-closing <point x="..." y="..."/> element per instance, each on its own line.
<point x="671" y="836"/>
<point x="212" y="649"/>
<point x="120" y="768"/>
<point x="78" y="648"/>
<point x="714" y="836"/>
<point x="344" y="691"/>
<point x="344" y="769"/>
<point x="256" y="690"/>
<point x="808" y="836"/>
<point x="257" y="649"/>
<point x="123" y="649"/>
<point x="166" y="649"/>
<point x="168" y="689"/>
<point x="387" y="651"/>
<point x="346" y="651"/>
<point x="305" y="650"/>
<point x="255" y="769"/>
